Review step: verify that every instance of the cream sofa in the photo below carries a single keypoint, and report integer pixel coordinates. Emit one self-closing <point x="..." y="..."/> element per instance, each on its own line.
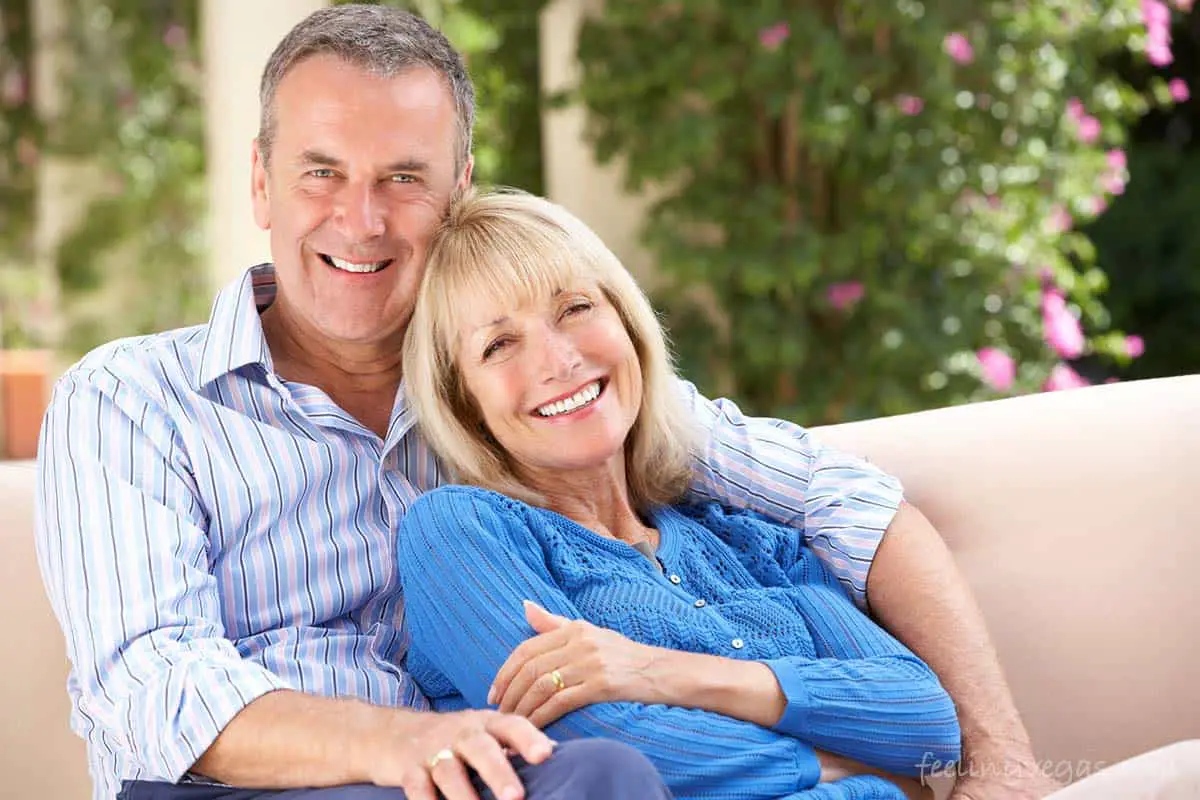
<point x="1071" y="515"/>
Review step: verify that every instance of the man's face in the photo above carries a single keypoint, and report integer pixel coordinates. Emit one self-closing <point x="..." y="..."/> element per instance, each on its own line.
<point x="361" y="170"/>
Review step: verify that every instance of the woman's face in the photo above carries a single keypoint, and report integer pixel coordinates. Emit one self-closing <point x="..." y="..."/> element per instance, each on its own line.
<point x="558" y="382"/>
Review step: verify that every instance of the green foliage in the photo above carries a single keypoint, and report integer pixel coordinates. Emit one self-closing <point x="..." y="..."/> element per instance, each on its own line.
<point x="135" y="263"/>
<point x="20" y="145"/>
<point x="1151" y="245"/>
<point x="803" y="145"/>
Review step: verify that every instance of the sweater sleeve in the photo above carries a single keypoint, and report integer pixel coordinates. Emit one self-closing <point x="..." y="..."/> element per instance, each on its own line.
<point x="864" y="695"/>
<point x="467" y="563"/>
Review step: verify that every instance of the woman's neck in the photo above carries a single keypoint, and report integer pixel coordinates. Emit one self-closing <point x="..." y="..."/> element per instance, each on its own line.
<point x="598" y="500"/>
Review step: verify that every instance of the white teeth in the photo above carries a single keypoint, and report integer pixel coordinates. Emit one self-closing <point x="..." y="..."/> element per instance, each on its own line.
<point x="581" y="398"/>
<point x="350" y="266"/>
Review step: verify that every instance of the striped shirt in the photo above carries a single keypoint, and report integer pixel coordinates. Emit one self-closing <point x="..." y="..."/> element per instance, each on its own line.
<point x="209" y="532"/>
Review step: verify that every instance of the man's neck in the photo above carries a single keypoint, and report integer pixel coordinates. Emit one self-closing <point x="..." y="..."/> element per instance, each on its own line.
<point x="361" y="379"/>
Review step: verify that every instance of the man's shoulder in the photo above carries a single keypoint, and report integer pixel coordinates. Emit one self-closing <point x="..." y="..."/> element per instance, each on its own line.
<point x="149" y="362"/>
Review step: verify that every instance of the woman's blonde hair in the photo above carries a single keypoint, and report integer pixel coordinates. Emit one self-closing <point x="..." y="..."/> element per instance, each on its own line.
<point x="513" y="248"/>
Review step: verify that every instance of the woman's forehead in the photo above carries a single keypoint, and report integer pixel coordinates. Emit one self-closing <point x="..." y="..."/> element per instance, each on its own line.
<point x="484" y="309"/>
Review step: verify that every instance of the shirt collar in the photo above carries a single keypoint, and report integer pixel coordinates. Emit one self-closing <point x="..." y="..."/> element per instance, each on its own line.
<point x="235" y="338"/>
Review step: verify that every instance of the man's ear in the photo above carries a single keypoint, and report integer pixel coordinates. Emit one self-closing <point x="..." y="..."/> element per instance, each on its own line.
<point x="259" y="188"/>
<point x="464" y="180"/>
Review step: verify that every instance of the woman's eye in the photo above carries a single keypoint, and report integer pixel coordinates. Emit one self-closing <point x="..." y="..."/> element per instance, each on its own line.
<point x="577" y="307"/>
<point x="493" y="348"/>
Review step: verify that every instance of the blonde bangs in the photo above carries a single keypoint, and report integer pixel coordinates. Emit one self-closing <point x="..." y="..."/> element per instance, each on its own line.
<point x="500" y="255"/>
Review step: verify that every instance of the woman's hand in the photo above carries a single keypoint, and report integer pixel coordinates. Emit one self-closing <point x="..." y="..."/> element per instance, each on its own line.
<point x="835" y="767"/>
<point x="571" y="664"/>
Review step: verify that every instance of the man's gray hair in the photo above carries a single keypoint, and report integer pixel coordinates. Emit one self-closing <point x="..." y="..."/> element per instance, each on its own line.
<point x="381" y="40"/>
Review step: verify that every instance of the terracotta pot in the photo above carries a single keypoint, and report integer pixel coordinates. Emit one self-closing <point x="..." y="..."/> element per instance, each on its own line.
<point x="24" y="393"/>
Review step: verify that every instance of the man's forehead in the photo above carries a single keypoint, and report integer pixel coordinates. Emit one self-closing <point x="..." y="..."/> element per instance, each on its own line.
<point x="328" y="89"/>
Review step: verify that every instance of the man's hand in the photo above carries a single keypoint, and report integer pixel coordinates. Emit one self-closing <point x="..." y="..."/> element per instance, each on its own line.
<point x="427" y="753"/>
<point x="593" y="664"/>
<point x="1014" y="775"/>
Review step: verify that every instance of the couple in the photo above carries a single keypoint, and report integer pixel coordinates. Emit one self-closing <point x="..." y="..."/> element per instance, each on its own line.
<point x="229" y="515"/>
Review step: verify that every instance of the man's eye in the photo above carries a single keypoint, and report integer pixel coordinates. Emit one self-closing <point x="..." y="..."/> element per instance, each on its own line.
<point x="403" y="178"/>
<point x="323" y="172"/>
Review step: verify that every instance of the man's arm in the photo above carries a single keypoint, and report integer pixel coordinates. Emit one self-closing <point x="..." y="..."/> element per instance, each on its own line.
<point x="124" y="552"/>
<point x="845" y="506"/>
<point x="919" y="595"/>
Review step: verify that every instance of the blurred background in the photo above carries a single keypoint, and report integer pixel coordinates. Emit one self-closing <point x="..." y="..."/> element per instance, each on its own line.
<point x="843" y="208"/>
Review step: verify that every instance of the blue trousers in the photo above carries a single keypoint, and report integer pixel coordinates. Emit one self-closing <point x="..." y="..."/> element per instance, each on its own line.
<point x="582" y="769"/>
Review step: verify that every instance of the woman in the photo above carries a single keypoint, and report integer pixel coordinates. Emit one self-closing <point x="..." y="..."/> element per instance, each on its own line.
<point x="714" y="641"/>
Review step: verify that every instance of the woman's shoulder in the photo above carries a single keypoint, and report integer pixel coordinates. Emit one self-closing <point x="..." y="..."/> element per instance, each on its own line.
<point x="462" y="504"/>
<point x="456" y="496"/>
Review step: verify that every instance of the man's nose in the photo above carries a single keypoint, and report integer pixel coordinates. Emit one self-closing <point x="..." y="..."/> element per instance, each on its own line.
<point x="360" y="212"/>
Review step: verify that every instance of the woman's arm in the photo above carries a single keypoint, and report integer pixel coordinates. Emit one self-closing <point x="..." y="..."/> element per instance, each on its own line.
<point x="467" y="565"/>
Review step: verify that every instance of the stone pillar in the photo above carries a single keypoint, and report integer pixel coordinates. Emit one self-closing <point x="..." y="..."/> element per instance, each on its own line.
<point x="238" y="37"/>
<point x="593" y="192"/>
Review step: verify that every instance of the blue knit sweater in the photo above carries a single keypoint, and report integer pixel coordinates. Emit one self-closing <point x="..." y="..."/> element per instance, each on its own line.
<point x="468" y="557"/>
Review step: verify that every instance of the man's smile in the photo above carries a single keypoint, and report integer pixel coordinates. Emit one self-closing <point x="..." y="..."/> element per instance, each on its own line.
<point x="357" y="267"/>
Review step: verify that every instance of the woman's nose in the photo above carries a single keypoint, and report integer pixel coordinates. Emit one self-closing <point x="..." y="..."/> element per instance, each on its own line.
<point x="561" y="357"/>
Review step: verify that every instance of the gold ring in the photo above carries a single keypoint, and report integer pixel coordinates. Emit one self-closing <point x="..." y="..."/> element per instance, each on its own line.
<point x="559" y="683"/>
<point x="445" y="754"/>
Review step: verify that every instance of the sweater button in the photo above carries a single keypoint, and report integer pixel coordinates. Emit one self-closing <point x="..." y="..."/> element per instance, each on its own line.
<point x="701" y="603"/>
<point x="738" y="644"/>
<point x="675" y="579"/>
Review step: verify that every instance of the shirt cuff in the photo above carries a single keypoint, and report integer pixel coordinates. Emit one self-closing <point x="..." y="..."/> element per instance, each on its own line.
<point x="799" y="702"/>
<point x="215" y="695"/>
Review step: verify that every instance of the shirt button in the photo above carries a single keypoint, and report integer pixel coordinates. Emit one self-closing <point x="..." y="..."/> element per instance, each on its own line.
<point x="701" y="603"/>
<point x="738" y="644"/>
<point x="675" y="579"/>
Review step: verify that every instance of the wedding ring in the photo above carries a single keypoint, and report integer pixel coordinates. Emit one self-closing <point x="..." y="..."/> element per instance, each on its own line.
<point x="445" y="754"/>
<point x="559" y="683"/>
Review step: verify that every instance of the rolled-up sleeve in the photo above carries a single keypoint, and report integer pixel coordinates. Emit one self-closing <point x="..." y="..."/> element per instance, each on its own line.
<point x="123" y="550"/>
<point x="842" y="504"/>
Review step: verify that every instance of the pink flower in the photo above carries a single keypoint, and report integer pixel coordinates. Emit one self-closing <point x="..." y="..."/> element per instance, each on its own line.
<point x="1061" y="329"/>
<point x="1098" y="205"/>
<point x="1113" y="184"/>
<point x="999" y="369"/>
<point x="1117" y="160"/>
<point x="1134" y="346"/>
<point x="14" y="89"/>
<point x="1179" y="90"/>
<point x="909" y="105"/>
<point x="843" y="295"/>
<point x="1089" y="129"/>
<point x="1159" y="54"/>
<point x="27" y="152"/>
<point x="1075" y="109"/>
<point x="959" y="48"/>
<point x="771" y="38"/>
<point x="1063" y="377"/>
<point x="175" y="37"/>
<point x="1184" y="5"/>
<point x="1059" y="220"/>
<point x="1155" y="14"/>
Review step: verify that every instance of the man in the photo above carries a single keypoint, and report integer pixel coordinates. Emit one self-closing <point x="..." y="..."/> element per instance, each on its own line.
<point x="217" y="503"/>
